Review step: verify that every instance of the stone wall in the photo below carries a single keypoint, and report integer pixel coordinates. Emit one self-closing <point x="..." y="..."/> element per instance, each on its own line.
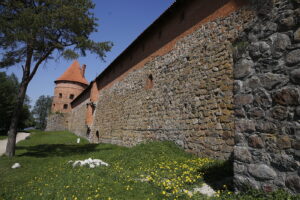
<point x="57" y="122"/>
<point x="77" y="122"/>
<point x="267" y="100"/>
<point x="231" y="83"/>
<point x="185" y="95"/>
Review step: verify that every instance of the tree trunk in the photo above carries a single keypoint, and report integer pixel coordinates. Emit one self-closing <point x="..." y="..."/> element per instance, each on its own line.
<point x="12" y="133"/>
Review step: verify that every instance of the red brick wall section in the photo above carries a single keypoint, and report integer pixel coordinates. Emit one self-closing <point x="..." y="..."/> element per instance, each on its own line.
<point x="94" y="92"/>
<point x="63" y="96"/>
<point x="91" y="105"/>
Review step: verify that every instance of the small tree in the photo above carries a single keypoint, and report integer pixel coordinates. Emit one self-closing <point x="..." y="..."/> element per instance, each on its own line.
<point x="31" y="31"/>
<point x="26" y="117"/>
<point x="8" y="96"/>
<point x="41" y="110"/>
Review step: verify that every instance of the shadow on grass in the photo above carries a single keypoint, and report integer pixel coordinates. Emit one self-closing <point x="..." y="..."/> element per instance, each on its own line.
<point x="219" y="174"/>
<point x="61" y="150"/>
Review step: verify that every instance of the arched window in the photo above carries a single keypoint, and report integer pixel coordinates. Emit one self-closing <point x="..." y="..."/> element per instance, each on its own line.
<point x="71" y="96"/>
<point x="60" y="95"/>
<point x="65" y="106"/>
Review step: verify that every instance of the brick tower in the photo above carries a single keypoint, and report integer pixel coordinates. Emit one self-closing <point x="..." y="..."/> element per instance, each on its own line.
<point x="68" y="86"/>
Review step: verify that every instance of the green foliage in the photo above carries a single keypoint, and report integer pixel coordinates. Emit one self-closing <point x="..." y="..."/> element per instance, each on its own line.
<point x="8" y="96"/>
<point x="31" y="31"/>
<point x="8" y="91"/>
<point x="39" y="27"/>
<point x="41" y="110"/>
<point x="140" y="172"/>
<point x="2" y="137"/>
<point x="26" y="118"/>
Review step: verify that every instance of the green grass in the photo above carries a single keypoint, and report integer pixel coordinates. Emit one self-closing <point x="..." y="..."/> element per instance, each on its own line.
<point x="156" y="170"/>
<point x="2" y="137"/>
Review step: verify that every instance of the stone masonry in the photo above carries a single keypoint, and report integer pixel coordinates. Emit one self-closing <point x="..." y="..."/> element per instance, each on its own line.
<point x="267" y="99"/>
<point x="57" y="122"/>
<point x="185" y="96"/>
<point x="77" y="123"/>
<point x="219" y="78"/>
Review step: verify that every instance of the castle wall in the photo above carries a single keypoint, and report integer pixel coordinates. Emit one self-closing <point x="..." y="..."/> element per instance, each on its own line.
<point x="161" y="37"/>
<point x="267" y="100"/>
<point x="183" y="93"/>
<point x="77" y="123"/>
<point x="228" y="82"/>
<point x="57" y="122"/>
<point x="91" y="105"/>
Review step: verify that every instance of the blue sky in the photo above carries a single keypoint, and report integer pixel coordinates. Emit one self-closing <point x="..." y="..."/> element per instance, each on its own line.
<point x="120" y="21"/>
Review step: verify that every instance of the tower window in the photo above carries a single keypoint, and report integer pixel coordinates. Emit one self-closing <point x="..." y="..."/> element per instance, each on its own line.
<point x="54" y="105"/>
<point x="71" y="96"/>
<point x="65" y="106"/>
<point x="60" y="95"/>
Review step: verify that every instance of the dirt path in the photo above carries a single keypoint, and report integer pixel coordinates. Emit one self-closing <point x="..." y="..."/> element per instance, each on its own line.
<point x="20" y="136"/>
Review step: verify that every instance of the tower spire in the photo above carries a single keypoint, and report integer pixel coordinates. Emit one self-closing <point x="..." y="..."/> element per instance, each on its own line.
<point x="74" y="73"/>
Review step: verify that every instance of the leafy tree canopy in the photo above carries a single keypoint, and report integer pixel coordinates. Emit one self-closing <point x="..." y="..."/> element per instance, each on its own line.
<point x="39" y="27"/>
<point x="32" y="30"/>
<point x="8" y="97"/>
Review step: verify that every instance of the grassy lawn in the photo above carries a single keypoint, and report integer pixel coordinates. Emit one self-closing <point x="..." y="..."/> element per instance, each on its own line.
<point x="156" y="170"/>
<point x="2" y="137"/>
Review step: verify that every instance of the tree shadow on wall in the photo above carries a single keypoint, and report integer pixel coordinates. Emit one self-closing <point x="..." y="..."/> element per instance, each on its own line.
<point x="61" y="150"/>
<point x="219" y="174"/>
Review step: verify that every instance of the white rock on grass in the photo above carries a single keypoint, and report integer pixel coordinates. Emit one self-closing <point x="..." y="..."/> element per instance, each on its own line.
<point x="92" y="163"/>
<point x="206" y="190"/>
<point x="78" y="140"/>
<point x="16" y="165"/>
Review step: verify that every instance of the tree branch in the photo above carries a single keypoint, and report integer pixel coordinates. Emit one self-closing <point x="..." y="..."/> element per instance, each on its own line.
<point x="26" y="71"/>
<point x="39" y="62"/>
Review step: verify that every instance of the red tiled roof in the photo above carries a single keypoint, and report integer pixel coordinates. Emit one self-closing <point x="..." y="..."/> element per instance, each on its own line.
<point x="73" y="73"/>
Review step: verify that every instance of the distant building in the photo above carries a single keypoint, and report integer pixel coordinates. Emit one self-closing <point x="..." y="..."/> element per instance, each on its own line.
<point x="68" y="86"/>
